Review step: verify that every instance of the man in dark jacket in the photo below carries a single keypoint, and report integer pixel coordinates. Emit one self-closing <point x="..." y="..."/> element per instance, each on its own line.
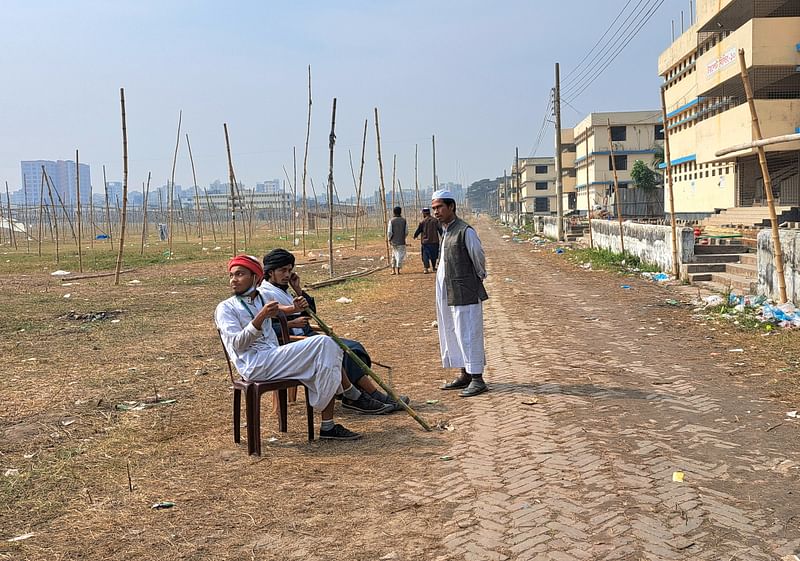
<point x="430" y="231"/>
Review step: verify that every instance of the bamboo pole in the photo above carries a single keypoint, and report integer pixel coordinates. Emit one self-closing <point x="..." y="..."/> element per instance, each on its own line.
<point x="755" y="144"/>
<point x="588" y="198"/>
<point x="54" y="213"/>
<point x="367" y="370"/>
<point x="416" y="179"/>
<point x="394" y="178"/>
<point x="211" y="215"/>
<point x="331" y="143"/>
<point x="144" y="212"/>
<point x="124" y="215"/>
<point x="383" y="188"/>
<point x="108" y="210"/>
<point x="232" y="186"/>
<point x="63" y="209"/>
<point x="171" y="186"/>
<point x="183" y="220"/>
<point x="360" y="182"/>
<point x="11" y="220"/>
<point x="435" y="178"/>
<point x="294" y="196"/>
<point x="305" y="161"/>
<point x="676" y="266"/>
<point x="616" y="187"/>
<point x="41" y="204"/>
<point x="25" y="211"/>
<point x="197" y="207"/>
<point x="78" y="194"/>
<point x="92" y="224"/>
<point x="762" y="160"/>
<point x="316" y="207"/>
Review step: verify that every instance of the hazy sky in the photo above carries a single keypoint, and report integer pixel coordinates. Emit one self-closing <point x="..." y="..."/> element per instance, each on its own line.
<point x="477" y="74"/>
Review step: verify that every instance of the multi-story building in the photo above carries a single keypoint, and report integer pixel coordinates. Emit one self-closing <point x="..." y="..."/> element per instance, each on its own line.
<point x="633" y="135"/>
<point x="568" y="174"/>
<point x="269" y="186"/>
<point x="62" y="177"/>
<point x="537" y="184"/>
<point x="707" y="108"/>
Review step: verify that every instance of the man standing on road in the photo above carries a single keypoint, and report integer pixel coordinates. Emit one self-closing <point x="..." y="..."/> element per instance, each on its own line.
<point x="397" y="234"/>
<point x="459" y="297"/>
<point x="430" y="231"/>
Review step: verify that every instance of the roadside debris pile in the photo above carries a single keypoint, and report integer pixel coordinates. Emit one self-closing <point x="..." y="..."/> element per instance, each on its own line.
<point x="750" y="310"/>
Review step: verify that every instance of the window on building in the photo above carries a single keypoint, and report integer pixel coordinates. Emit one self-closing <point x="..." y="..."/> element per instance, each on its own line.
<point x="541" y="185"/>
<point x="540" y="169"/>
<point x="541" y="204"/>
<point x="659" y="132"/>
<point x="620" y="162"/>
<point x="618" y="134"/>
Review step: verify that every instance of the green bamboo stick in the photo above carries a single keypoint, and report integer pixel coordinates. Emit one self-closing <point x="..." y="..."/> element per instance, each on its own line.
<point x="367" y="370"/>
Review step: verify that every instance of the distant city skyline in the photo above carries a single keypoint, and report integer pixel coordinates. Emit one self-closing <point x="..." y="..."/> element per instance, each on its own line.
<point x="475" y="75"/>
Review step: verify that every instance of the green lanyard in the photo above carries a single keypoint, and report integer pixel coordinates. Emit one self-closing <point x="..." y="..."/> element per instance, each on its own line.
<point x="247" y="308"/>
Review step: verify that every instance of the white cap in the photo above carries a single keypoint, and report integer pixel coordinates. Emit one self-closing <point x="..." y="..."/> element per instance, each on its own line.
<point x="442" y="194"/>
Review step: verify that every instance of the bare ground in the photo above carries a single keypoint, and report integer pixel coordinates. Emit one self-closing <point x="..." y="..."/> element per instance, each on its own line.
<point x="67" y="450"/>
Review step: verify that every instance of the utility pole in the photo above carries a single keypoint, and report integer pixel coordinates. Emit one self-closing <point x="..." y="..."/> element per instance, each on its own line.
<point x="559" y="181"/>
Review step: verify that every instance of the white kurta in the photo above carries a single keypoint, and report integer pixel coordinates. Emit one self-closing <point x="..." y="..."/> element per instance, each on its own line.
<point x="272" y="292"/>
<point x="316" y="361"/>
<point x="461" y="327"/>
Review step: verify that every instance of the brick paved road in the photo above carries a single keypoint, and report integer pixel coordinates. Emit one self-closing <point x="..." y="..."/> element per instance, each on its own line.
<point x="594" y="404"/>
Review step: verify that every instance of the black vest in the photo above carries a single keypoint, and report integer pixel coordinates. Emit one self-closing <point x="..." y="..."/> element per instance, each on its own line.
<point x="464" y="286"/>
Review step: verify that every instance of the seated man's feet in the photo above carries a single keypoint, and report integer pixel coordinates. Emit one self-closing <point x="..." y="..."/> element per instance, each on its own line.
<point x="384" y="398"/>
<point x="475" y="387"/>
<point x="338" y="432"/>
<point x="367" y="405"/>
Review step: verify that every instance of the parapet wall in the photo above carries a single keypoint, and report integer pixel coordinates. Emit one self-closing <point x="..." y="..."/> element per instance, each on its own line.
<point x="650" y="243"/>
<point x="767" y="276"/>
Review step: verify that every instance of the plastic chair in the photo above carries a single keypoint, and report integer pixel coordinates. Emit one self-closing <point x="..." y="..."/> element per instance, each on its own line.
<point x="253" y="390"/>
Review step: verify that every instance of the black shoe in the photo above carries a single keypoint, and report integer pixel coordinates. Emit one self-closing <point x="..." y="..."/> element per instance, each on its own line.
<point x="338" y="432"/>
<point x="366" y="405"/>
<point x="475" y="387"/>
<point x="458" y="384"/>
<point x="382" y="397"/>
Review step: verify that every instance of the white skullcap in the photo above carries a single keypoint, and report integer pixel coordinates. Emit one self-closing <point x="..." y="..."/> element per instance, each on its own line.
<point x="442" y="194"/>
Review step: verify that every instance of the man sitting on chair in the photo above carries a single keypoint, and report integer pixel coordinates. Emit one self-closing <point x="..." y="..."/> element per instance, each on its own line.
<point x="316" y="361"/>
<point x="280" y="275"/>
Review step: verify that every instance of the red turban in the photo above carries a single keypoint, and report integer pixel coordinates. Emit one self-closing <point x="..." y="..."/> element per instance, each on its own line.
<point x="250" y="263"/>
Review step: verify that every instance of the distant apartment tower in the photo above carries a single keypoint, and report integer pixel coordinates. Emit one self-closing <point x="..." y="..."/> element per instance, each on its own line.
<point x="634" y="135"/>
<point x="62" y="177"/>
<point x="269" y="186"/>
<point x="707" y="108"/>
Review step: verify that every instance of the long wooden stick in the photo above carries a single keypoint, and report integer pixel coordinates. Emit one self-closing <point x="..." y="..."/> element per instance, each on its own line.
<point x="171" y="187"/>
<point x="41" y="204"/>
<point x="676" y="266"/>
<point x="144" y="213"/>
<point x="367" y="370"/>
<point x="232" y="185"/>
<point x="108" y="210"/>
<point x="211" y="215"/>
<point x="78" y="193"/>
<point x="383" y="188"/>
<point x="756" y="143"/>
<point x="331" y="143"/>
<point x="54" y="213"/>
<point x="11" y="219"/>
<point x="616" y="187"/>
<point x="305" y="161"/>
<point x="25" y="214"/>
<point x="197" y="208"/>
<point x="416" y="179"/>
<point x="762" y="160"/>
<point x="124" y="215"/>
<point x="360" y="182"/>
<point x="588" y="198"/>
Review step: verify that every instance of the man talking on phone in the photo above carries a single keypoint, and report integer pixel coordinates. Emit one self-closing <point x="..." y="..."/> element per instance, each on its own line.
<point x="279" y="276"/>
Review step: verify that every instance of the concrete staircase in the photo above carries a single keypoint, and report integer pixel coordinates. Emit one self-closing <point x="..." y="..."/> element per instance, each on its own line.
<point x="725" y="266"/>
<point x="747" y="217"/>
<point x="576" y="231"/>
